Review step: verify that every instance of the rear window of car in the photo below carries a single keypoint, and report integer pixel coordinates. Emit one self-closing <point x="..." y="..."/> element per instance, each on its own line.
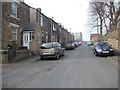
<point x="46" y="46"/>
<point x="68" y="44"/>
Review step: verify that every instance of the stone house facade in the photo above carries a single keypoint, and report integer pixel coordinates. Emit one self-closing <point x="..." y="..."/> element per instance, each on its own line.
<point x="94" y="37"/>
<point x="45" y="27"/>
<point x="15" y="15"/>
<point x="32" y="36"/>
<point x="17" y="19"/>
<point x="54" y="31"/>
<point x="32" y="33"/>
<point x="63" y="37"/>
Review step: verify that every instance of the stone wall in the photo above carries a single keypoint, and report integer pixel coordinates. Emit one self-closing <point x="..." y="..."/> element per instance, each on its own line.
<point x="46" y="29"/>
<point x="114" y="43"/>
<point x="111" y="35"/>
<point x="33" y="15"/>
<point x="34" y="44"/>
<point x="112" y="38"/>
<point x="20" y="55"/>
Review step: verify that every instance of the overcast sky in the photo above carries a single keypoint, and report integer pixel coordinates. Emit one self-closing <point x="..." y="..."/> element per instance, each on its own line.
<point x="72" y="14"/>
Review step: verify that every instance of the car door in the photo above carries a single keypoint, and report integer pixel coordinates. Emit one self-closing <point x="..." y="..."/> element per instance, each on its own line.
<point x="59" y="48"/>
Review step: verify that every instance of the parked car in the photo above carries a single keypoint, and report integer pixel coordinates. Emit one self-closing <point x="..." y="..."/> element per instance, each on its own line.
<point x="69" y="46"/>
<point x="51" y="50"/>
<point x="79" y="43"/>
<point x="90" y="43"/>
<point x="103" y="48"/>
<point x="75" y="44"/>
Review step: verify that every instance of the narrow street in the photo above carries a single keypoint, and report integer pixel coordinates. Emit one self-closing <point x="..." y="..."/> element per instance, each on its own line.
<point x="79" y="68"/>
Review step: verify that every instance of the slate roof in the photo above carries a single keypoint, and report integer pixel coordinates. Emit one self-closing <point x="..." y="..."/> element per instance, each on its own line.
<point x="29" y="27"/>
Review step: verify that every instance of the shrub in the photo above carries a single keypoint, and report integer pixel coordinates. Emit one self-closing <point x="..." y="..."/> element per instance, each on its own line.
<point x="22" y="48"/>
<point x="4" y="51"/>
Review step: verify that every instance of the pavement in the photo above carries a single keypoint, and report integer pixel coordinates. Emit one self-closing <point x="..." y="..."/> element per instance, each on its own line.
<point x="114" y="60"/>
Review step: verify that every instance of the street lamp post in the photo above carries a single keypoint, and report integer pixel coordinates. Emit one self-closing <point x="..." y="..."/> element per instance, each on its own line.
<point x="51" y="30"/>
<point x="98" y="30"/>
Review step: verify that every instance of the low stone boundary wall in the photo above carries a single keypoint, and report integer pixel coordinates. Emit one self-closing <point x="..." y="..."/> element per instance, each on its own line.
<point x="112" y="38"/>
<point x="112" y="35"/>
<point x="114" y="43"/>
<point x="20" y="55"/>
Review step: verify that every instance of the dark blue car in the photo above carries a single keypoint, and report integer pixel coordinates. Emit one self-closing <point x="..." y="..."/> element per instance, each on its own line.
<point x="103" y="48"/>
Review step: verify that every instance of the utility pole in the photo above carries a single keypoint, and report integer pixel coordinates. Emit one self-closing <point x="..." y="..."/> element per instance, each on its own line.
<point x="98" y="30"/>
<point x="90" y="35"/>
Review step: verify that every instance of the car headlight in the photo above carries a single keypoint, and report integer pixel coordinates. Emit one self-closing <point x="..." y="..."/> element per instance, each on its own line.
<point x="99" y="50"/>
<point x="111" y="49"/>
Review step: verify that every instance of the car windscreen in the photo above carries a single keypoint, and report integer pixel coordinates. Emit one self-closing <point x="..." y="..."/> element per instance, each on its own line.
<point x="103" y="44"/>
<point x="46" y="46"/>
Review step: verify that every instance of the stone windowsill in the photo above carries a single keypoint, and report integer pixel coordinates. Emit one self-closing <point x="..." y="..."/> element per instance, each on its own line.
<point x="14" y="17"/>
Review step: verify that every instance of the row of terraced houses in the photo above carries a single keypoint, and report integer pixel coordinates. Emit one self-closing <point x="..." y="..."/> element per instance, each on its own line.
<point x="29" y="27"/>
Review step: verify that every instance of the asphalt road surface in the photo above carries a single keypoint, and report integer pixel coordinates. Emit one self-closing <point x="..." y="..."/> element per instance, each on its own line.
<point x="79" y="68"/>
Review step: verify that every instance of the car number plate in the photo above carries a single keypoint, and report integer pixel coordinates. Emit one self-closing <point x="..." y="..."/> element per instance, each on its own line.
<point x="46" y="53"/>
<point x="105" y="51"/>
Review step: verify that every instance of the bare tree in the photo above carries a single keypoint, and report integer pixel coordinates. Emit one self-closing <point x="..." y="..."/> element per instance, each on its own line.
<point x="97" y="10"/>
<point x="104" y="13"/>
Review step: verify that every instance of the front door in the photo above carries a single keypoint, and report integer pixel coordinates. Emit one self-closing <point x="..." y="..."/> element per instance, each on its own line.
<point x="26" y="40"/>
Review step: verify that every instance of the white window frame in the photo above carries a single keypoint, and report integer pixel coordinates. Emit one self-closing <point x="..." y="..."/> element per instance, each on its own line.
<point x="30" y="35"/>
<point x="14" y="7"/>
<point x="38" y="37"/>
<point x="46" y="36"/>
<point x="16" y="29"/>
<point x="54" y="28"/>
<point x="60" y="30"/>
<point x="41" y="21"/>
<point x="14" y="32"/>
<point x="60" y="40"/>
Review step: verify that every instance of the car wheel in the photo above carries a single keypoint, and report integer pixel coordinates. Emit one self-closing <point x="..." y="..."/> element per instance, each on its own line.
<point x="41" y="58"/>
<point x="63" y="54"/>
<point x="57" y="57"/>
<point x="96" y="54"/>
<point x="113" y="54"/>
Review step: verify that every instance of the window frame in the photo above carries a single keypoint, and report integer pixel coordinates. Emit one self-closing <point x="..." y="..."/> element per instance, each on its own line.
<point x="38" y="37"/>
<point x="14" y="32"/>
<point x="41" y="20"/>
<point x="30" y="36"/>
<point x="14" y="9"/>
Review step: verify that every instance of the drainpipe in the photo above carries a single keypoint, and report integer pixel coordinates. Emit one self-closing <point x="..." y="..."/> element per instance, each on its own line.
<point x="51" y="28"/>
<point x="0" y="25"/>
<point x="0" y="44"/>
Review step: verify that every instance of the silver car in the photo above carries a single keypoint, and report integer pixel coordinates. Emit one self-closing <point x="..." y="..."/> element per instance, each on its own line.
<point x="51" y="50"/>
